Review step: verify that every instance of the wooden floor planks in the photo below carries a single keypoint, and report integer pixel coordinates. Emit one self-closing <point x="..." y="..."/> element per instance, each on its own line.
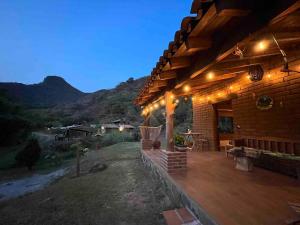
<point x="233" y="197"/>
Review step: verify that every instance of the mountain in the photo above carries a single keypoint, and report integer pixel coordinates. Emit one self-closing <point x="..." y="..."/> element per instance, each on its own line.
<point x="56" y="100"/>
<point x="105" y="105"/>
<point x="52" y="91"/>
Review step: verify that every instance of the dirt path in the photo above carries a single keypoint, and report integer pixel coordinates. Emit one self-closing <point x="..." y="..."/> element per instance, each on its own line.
<point x="19" y="187"/>
<point x="123" y="194"/>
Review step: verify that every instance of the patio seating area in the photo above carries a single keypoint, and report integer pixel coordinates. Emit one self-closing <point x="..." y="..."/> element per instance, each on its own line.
<point x="229" y="196"/>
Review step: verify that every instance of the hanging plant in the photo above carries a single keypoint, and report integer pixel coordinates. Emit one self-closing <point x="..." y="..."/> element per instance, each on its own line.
<point x="256" y="72"/>
<point x="264" y="102"/>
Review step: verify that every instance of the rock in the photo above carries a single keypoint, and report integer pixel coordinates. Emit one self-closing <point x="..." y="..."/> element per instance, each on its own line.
<point x="97" y="168"/>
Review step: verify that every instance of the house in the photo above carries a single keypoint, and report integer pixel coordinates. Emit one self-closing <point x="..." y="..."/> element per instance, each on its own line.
<point x="239" y="62"/>
<point x="116" y="127"/>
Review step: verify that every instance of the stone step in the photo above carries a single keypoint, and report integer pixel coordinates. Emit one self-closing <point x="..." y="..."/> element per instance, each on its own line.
<point x="180" y="217"/>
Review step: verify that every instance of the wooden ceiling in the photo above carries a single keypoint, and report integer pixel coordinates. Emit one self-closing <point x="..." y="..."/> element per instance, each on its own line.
<point x="208" y="42"/>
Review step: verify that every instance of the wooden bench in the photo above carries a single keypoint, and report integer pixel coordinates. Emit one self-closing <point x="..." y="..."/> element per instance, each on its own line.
<point x="180" y="216"/>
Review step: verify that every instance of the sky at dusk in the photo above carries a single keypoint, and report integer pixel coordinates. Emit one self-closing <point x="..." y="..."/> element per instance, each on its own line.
<point x="93" y="44"/>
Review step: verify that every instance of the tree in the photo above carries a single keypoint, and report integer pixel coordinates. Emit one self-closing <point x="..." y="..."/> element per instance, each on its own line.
<point x="30" y="154"/>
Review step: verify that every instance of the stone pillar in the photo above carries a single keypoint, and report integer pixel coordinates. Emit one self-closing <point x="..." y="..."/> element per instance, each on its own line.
<point x="170" y="107"/>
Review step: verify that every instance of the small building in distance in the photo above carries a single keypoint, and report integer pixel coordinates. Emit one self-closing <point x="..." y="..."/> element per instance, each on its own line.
<point x="116" y="125"/>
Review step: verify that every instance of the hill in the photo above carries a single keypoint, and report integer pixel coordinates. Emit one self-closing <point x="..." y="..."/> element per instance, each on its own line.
<point x="57" y="102"/>
<point x="105" y="105"/>
<point x="52" y="91"/>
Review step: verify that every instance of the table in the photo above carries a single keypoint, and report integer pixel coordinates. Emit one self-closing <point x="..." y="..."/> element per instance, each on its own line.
<point x="198" y="141"/>
<point x="244" y="162"/>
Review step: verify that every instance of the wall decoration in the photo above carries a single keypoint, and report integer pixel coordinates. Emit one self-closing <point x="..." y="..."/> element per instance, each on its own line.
<point x="256" y="72"/>
<point x="225" y="125"/>
<point x="264" y="102"/>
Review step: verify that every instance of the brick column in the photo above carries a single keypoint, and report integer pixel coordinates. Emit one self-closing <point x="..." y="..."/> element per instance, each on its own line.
<point x="173" y="162"/>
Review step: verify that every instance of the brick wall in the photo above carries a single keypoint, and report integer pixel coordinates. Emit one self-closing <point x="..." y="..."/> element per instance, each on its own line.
<point x="173" y="162"/>
<point x="282" y="121"/>
<point x="204" y="122"/>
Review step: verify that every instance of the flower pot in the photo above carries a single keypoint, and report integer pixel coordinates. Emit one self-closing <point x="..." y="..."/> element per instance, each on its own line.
<point x="181" y="148"/>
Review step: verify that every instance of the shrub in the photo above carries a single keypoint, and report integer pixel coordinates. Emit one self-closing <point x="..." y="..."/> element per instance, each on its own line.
<point x="30" y="154"/>
<point x="116" y="137"/>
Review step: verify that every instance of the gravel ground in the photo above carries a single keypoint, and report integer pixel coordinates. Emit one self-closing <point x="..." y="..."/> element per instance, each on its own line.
<point x="122" y="194"/>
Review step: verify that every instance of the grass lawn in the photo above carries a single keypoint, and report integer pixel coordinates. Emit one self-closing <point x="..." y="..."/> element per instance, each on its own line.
<point x="122" y="194"/>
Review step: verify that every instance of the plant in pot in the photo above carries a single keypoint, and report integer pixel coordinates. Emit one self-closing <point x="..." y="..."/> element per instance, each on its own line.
<point x="180" y="144"/>
<point x="156" y="144"/>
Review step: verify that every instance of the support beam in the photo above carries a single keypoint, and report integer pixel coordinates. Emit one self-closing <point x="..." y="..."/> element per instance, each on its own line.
<point x="202" y="81"/>
<point x="170" y="107"/>
<point x="180" y="62"/>
<point x="168" y="75"/>
<point x="159" y="83"/>
<point x="153" y="90"/>
<point x="198" y="43"/>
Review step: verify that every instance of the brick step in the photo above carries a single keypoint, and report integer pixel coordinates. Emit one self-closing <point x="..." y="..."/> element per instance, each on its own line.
<point x="180" y="217"/>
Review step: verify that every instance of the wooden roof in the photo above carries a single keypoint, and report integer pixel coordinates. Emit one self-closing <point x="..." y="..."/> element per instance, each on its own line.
<point x="208" y="39"/>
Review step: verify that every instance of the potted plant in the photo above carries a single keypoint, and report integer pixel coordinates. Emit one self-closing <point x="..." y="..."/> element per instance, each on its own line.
<point x="180" y="144"/>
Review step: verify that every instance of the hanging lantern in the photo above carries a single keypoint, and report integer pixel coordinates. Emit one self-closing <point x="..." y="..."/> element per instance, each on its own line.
<point x="256" y="72"/>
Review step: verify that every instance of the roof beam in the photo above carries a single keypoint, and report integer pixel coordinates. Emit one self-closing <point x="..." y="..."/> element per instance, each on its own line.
<point x="159" y="83"/>
<point x="198" y="43"/>
<point x="167" y="75"/>
<point x="180" y="62"/>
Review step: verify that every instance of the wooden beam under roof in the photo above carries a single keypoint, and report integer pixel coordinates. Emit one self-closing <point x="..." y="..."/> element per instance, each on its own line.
<point x="167" y="75"/>
<point x="198" y="43"/>
<point x="218" y="77"/>
<point x="180" y="62"/>
<point x="213" y="19"/>
<point x="154" y="89"/>
<point x="159" y="83"/>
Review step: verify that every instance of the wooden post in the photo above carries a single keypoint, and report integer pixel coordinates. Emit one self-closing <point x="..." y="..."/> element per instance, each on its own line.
<point x="170" y="107"/>
<point x="78" y="162"/>
<point x="147" y="120"/>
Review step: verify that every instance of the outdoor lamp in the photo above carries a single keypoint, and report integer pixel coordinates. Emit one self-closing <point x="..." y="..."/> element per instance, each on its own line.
<point x="121" y="128"/>
<point x="256" y="72"/>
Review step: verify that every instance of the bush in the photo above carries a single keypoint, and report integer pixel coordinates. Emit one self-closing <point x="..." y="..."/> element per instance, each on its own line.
<point x="116" y="137"/>
<point x="30" y="154"/>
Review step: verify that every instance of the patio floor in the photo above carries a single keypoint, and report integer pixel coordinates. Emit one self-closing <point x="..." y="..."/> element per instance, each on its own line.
<point x="233" y="197"/>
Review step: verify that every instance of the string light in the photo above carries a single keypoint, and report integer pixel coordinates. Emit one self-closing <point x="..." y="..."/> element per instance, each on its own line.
<point x="220" y="94"/>
<point x="210" y="76"/>
<point x="172" y="96"/>
<point x="162" y="102"/>
<point x="186" y="88"/>
<point x="177" y="101"/>
<point x="261" y="46"/>
<point x="156" y="105"/>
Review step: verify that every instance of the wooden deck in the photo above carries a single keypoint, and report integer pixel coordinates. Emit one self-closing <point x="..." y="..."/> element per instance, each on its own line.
<point x="233" y="197"/>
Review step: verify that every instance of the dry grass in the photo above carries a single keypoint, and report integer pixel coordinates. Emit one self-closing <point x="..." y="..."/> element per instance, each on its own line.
<point x="122" y="194"/>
